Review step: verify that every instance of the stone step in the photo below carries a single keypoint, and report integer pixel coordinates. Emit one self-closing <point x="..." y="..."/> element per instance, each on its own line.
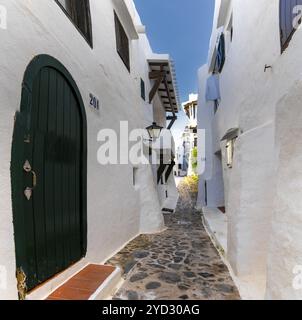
<point x="94" y="282"/>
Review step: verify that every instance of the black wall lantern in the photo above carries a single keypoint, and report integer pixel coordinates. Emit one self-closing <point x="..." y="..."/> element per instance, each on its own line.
<point x="154" y="131"/>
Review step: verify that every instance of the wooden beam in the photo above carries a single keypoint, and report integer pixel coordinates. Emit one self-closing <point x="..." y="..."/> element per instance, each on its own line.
<point x="161" y="69"/>
<point x="168" y="106"/>
<point x="160" y="172"/>
<point x="169" y="170"/>
<point x="168" y="92"/>
<point x="160" y="78"/>
<point x="159" y="64"/>
<point x="164" y="90"/>
<point x="172" y="122"/>
<point x="155" y="87"/>
<point x="165" y="97"/>
<point x="168" y="102"/>
<point x="169" y="118"/>
<point x="156" y="74"/>
<point x="172" y="111"/>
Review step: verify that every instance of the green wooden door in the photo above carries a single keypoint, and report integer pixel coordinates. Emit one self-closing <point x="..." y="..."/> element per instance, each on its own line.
<point x="47" y="161"/>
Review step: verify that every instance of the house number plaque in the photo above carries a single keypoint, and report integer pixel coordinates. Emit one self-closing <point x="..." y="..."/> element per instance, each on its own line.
<point x="94" y="102"/>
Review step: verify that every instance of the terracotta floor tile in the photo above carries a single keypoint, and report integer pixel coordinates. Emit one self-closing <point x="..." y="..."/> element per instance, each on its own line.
<point x="68" y="293"/>
<point x="93" y="277"/>
<point x="83" y="284"/>
<point x="94" y="272"/>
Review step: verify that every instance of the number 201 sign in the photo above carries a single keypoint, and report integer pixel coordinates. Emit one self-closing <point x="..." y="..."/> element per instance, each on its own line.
<point x="94" y="102"/>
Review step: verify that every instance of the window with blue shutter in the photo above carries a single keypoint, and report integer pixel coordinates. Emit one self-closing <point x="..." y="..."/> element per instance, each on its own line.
<point x="288" y="15"/>
<point x="220" y="58"/>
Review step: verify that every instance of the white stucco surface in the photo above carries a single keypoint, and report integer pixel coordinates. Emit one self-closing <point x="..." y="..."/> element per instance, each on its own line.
<point x="217" y="223"/>
<point x="262" y="190"/>
<point x="117" y="210"/>
<point x="211" y="178"/>
<point x="286" y="236"/>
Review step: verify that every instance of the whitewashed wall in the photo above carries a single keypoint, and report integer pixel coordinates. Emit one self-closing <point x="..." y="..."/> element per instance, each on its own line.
<point x="285" y="253"/>
<point x="212" y="174"/>
<point x="204" y="119"/>
<point x="264" y="225"/>
<point x="116" y="209"/>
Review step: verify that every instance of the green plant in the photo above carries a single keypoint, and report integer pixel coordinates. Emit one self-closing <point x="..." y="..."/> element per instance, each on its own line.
<point x="194" y="152"/>
<point x="194" y="158"/>
<point x="191" y="183"/>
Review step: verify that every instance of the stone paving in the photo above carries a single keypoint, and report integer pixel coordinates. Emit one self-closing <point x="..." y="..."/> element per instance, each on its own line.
<point x="180" y="263"/>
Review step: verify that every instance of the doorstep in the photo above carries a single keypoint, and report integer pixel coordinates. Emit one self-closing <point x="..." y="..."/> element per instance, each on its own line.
<point x="216" y="224"/>
<point x="94" y="282"/>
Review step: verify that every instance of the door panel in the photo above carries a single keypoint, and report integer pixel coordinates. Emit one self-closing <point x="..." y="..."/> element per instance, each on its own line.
<point x="52" y="223"/>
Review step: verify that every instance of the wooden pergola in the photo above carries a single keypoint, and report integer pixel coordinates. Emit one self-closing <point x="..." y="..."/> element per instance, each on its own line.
<point x="188" y="105"/>
<point x="161" y="71"/>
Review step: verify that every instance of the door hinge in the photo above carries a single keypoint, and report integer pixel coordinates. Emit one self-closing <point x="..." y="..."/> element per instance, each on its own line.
<point x="21" y="283"/>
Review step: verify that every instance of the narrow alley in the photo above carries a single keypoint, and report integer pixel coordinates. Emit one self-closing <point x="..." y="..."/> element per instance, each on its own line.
<point x="150" y="150"/>
<point x="179" y="264"/>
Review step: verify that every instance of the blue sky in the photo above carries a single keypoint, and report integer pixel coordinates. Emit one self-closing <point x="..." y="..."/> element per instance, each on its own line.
<point x="181" y="28"/>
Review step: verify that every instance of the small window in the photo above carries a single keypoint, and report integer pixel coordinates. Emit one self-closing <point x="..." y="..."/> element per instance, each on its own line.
<point x="78" y="12"/>
<point x="220" y="58"/>
<point x="216" y="105"/>
<point x="290" y="19"/>
<point x="122" y="42"/>
<point x="230" y="28"/>
<point x="143" y="90"/>
<point x="134" y="177"/>
<point x="230" y="153"/>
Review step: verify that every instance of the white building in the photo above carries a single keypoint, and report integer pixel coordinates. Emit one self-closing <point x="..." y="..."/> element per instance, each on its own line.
<point x="190" y="133"/>
<point x="251" y="110"/>
<point x="181" y="163"/>
<point x="183" y="154"/>
<point x="63" y="79"/>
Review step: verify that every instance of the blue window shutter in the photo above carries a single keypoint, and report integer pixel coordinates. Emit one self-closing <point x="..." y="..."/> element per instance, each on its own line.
<point x="286" y="17"/>
<point x="220" y="58"/>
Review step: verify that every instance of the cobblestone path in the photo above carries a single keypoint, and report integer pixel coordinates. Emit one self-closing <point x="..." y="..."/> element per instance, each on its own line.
<point x="178" y="264"/>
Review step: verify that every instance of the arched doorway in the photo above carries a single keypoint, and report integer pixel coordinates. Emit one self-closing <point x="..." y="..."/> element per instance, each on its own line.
<point x="49" y="173"/>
